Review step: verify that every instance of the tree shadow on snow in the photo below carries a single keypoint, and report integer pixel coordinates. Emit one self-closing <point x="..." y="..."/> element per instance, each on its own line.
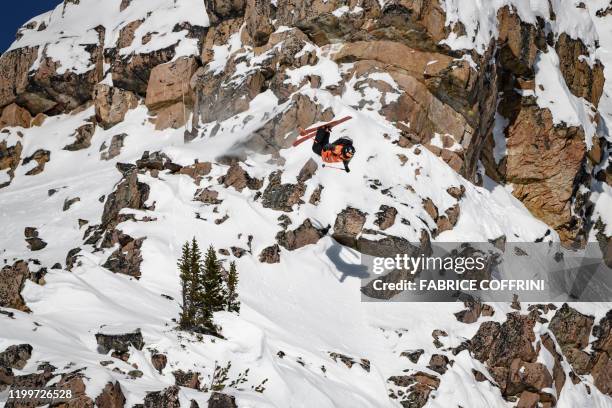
<point x="355" y="270"/>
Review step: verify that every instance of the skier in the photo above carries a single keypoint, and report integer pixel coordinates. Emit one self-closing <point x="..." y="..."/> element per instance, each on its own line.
<point x="341" y="150"/>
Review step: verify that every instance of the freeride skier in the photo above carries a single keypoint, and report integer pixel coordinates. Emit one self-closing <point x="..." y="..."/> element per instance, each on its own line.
<point x="341" y="150"/>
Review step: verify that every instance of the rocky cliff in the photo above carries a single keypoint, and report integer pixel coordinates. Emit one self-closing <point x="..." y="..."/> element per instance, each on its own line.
<point x="130" y="126"/>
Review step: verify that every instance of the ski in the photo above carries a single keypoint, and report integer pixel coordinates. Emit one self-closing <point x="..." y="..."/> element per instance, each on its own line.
<point x="333" y="167"/>
<point x="309" y="133"/>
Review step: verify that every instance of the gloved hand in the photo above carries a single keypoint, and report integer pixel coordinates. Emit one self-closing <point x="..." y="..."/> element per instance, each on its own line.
<point x="348" y="170"/>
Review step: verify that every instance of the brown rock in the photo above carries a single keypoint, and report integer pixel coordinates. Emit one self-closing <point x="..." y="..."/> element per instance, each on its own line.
<point x="126" y="34"/>
<point x="208" y="196"/>
<point x="111" y="396"/>
<point x="115" y="147"/>
<point x="571" y="328"/>
<point x="187" y="379"/>
<point x="239" y="179"/>
<point x="519" y="42"/>
<point x="111" y="104"/>
<point x="438" y="363"/>
<point x="159" y="361"/>
<point x="83" y="135"/>
<point x="385" y="217"/>
<point x="14" y="68"/>
<point x="282" y="197"/>
<point x="15" y="115"/>
<point x="315" y="197"/>
<point x="542" y="163"/>
<point x="307" y="171"/>
<point x="270" y="254"/>
<point x="197" y="170"/>
<point x="16" y="356"/>
<point x="167" y="398"/>
<point x="132" y="72"/>
<point x="305" y="234"/>
<point x="169" y="83"/>
<point x="41" y="157"/>
<point x="348" y="226"/>
<point x="258" y="21"/>
<point x="218" y="400"/>
<point x="528" y="400"/>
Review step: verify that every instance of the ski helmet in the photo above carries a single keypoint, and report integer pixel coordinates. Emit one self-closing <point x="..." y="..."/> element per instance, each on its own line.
<point x="348" y="151"/>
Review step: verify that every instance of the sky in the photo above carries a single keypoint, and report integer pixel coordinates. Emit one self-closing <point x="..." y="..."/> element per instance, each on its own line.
<point x="16" y="13"/>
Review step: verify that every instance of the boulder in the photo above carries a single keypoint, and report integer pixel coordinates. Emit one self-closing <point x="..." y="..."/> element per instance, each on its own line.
<point x="187" y="379"/>
<point x="197" y="170"/>
<point x="208" y="196"/>
<point x="111" y="104"/>
<point x="239" y="179"/>
<point x="438" y="363"/>
<point x="305" y="234"/>
<point x="16" y="356"/>
<point x="258" y="21"/>
<point x="167" y="398"/>
<point x="219" y="400"/>
<point x="83" y="135"/>
<point x="159" y="361"/>
<point x="35" y="243"/>
<point x="169" y="83"/>
<point x="126" y="259"/>
<point x="282" y="197"/>
<point x="307" y="171"/>
<point x="12" y="280"/>
<point x="270" y="254"/>
<point x="111" y="396"/>
<point x="348" y="226"/>
<point x="385" y="217"/>
<point x="15" y="115"/>
<point x="119" y="343"/>
<point x="571" y="328"/>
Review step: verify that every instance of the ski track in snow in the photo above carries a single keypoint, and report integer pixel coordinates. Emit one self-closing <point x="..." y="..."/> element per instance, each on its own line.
<point x="308" y="304"/>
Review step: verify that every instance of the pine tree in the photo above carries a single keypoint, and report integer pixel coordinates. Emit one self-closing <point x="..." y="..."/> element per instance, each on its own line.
<point x="197" y="291"/>
<point x="213" y="288"/>
<point x="232" y="302"/>
<point x="187" y="308"/>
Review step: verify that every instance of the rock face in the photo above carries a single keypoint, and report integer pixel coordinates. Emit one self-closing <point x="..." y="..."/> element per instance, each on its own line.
<point x="282" y="197"/>
<point x="15" y="115"/>
<point x="187" y="379"/>
<point x="12" y="280"/>
<point x="542" y="163"/>
<point x="348" y="225"/>
<point x="112" y="104"/>
<point x="111" y="397"/>
<point x="169" y="83"/>
<point x="270" y="254"/>
<point x="239" y="179"/>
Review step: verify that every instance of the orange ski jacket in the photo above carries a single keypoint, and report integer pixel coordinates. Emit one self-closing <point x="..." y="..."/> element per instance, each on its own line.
<point x="334" y="155"/>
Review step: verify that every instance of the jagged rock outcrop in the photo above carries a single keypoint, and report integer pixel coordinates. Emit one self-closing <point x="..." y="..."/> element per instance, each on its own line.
<point x="282" y="197"/>
<point x="111" y="104"/>
<point x="41" y="157"/>
<point x="238" y="178"/>
<point x="187" y="379"/>
<point x="219" y="400"/>
<point x="83" y="135"/>
<point x="119" y="344"/>
<point x="15" y="115"/>
<point x="12" y="280"/>
<point x="111" y="396"/>
<point x="10" y="156"/>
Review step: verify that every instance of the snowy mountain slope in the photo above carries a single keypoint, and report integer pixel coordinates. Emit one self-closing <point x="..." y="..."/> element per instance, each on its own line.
<point x="306" y="305"/>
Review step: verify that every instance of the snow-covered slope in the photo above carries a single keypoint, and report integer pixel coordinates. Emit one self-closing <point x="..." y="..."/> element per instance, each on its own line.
<point x="299" y="310"/>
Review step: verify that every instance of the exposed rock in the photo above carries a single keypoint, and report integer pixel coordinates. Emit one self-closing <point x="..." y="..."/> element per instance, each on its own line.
<point x="305" y="234"/>
<point x="15" y="115"/>
<point x="127" y="33"/>
<point x="111" y="396"/>
<point x="418" y="388"/>
<point x="348" y="226"/>
<point x="307" y="171"/>
<point x="127" y="258"/>
<point x="413" y="355"/>
<point x="132" y="72"/>
<point x="456" y="192"/>
<point x="68" y="203"/>
<point x="11" y="283"/>
<point x="169" y="83"/>
<point x="112" y="104"/>
<point x="35" y="243"/>
<point x="519" y="42"/>
<point x="16" y="356"/>
<point x="173" y="116"/>
<point x="315" y="197"/>
<point x="474" y="310"/>
<point x="115" y="147"/>
<point x="223" y="9"/>
<point x="239" y="179"/>
<point x="270" y="254"/>
<point x="129" y="193"/>
<point x="187" y="379"/>
<point x="74" y="382"/>
<point x="282" y="197"/>
<point x="258" y="21"/>
<point x="438" y="363"/>
<point x="350" y="361"/>
<point x="543" y="162"/>
<point x="159" y="361"/>
<point x="571" y="328"/>
<point x="83" y="135"/>
<point x="10" y="156"/>
<point x="219" y="400"/>
<point x="71" y="258"/>
<point x="119" y="343"/>
<point x="197" y="170"/>
<point x="208" y="196"/>
<point x="582" y="80"/>
<point x="167" y="398"/>
<point x="41" y="157"/>
<point x="14" y="68"/>
<point x="385" y="217"/>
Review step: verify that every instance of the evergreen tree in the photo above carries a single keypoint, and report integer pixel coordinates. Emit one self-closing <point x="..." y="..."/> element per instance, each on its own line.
<point x="187" y="308"/>
<point x="213" y="288"/>
<point x="196" y="293"/>
<point x="233" y="304"/>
